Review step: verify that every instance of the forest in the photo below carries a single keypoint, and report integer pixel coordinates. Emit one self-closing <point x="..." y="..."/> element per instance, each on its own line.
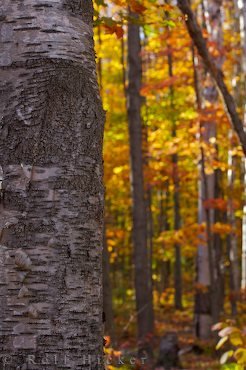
<point x="174" y="249"/>
<point x="123" y="184"/>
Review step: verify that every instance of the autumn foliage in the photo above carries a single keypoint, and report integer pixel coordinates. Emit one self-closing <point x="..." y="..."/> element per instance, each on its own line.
<point x="178" y="156"/>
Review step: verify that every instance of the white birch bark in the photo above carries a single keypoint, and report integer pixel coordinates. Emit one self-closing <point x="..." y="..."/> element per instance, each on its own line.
<point x="52" y="203"/>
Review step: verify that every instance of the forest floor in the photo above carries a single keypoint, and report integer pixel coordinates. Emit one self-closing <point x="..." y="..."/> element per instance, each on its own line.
<point x="195" y="355"/>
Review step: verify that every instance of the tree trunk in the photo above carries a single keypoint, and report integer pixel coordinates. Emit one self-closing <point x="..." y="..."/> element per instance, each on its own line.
<point x="163" y="225"/>
<point x="107" y="294"/>
<point x="209" y="275"/>
<point x="242" y="22"/>
<point x="204" y="272"/>
<point x="204" y="299"/>
<point x="232" y="245"/>
<point x="232" y="239"/>
<point x="52" y="206"/>
<point x="243" y="277"/>
<point x="218" y="250"/>
<point x="176" y="200"/>
<point x="143" y="286"/>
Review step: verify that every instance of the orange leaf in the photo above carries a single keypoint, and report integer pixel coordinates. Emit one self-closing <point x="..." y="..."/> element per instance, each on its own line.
<point x="137" y="7"/>
<point x="215" y="203"/>
<point x="158" y="85"/>
<point x="118" y="30"/>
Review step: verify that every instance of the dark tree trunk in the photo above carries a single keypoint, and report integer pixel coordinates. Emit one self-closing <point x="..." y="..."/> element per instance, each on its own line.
<point x="163" y="224"/>
<point x="176" y="200"/>
<point x="143" y="286"/>
<point x="52" y="213"/>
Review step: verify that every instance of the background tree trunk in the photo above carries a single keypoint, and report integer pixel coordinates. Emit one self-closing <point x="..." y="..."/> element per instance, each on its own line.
<point x="242" y="23"/>
<point x="176" y="197"/>
<point x="107" y="294"/>
<point x="204" y="263"/>
<point x="52" y="211"/>
<point x="209" y="299"/>
<point x="143" y="286"/>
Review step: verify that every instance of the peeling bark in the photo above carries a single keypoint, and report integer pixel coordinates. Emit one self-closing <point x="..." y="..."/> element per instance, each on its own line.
<point x="51" y="214"/>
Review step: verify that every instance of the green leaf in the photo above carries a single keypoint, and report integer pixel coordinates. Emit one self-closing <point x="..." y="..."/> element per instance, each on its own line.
<point x="101" y="2"/>
<point x="169" y="23"/>
<point x="232" y="366"/>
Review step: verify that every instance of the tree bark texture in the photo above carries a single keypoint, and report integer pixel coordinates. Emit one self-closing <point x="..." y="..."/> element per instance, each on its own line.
<point x="52" y="201"/>
<point x="143" y="286"/>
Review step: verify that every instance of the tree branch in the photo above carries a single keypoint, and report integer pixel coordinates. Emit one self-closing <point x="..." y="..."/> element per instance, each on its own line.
<point x="196" y="34"/>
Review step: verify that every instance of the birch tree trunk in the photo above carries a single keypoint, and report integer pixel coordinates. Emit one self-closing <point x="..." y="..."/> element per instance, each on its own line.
<point x="208" y="267"/>
<point x="52" y="202"/>
<point x="143" y="285"/>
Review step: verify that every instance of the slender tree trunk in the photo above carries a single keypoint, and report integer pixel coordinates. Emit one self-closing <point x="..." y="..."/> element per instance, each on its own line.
<point x="107" y="294"/>
<point x="143" y="286"/>
<point x="204" y="299"/>
<point x="176" y="200"/>
<point x="147" y="184"/>
<point x="204" y="263"/>
<point x="232" y="245"/>
<point x="209" y="275"/>
<point x="150" y="231"/>
<point x="243" y="277"/>
<point x="218" y="249"/>
<point x="164" y="265"/>
<point x="242" y="22"/>
<point x="232" y="239"/>
<point x="52" y="206"/>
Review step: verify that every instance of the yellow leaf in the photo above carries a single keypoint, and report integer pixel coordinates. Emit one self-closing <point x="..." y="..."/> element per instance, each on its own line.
<point x="240" y="356"/>
<point x="236" y="339"/>
<point x="221" y="342"/>
<point x="217" y="326"/>
<point x="225" y="356"/>
<point x="228" y="331"/>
